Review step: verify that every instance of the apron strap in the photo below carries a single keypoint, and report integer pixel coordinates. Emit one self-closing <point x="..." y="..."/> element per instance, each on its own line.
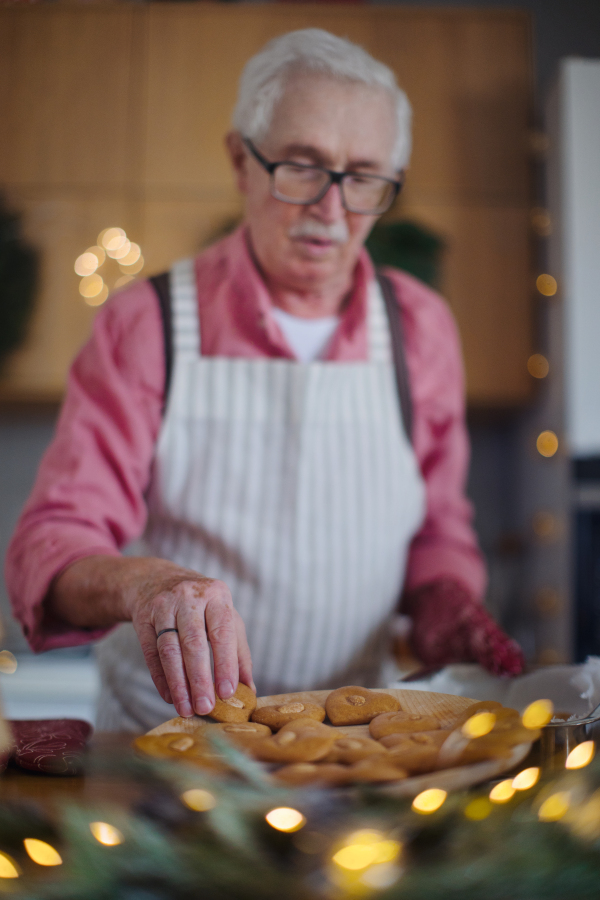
<point x="162" y="286"/>
<point x="394" y="315"/>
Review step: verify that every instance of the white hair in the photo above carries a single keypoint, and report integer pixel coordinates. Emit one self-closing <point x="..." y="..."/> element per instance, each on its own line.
<point x="265" y="76"/>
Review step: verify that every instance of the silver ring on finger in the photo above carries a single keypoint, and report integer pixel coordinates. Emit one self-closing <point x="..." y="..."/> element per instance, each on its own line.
<point x="165" y="630"/>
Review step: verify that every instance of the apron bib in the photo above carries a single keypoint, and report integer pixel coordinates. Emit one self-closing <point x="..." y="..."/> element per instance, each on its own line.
<point x="296" y="485"/>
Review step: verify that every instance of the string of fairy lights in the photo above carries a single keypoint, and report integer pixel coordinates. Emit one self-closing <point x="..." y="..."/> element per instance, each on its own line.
<point x="120" y="260"/>
<point x="369" y="857"/>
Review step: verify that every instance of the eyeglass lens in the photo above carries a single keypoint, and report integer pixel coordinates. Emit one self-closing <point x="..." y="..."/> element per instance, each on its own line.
<point x="305" y="184"/>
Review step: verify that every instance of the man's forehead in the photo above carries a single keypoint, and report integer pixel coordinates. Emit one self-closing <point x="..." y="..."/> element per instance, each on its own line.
<point x="322" y="118"/>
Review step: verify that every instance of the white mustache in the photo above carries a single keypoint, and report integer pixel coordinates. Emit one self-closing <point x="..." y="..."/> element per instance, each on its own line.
<point x="311" y="228"/>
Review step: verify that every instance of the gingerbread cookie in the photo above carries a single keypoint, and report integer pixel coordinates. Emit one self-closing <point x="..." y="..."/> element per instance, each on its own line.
<point x="278" y="716"/>
<point x="300" y="774"/>
<point x="355" y="705"/>
<point x="418" y="752"/>
<point x="497" y="744"/>
<point x="242" y="734"/>
<point x="401" y="723"/>
<point x="348" y="750"/>
<point x="302" y="724"/>
<point x="238" y="708"/>
<point x="193" y="749"/>
<point x="288" y="746"/>
<point x="376" y="768"/>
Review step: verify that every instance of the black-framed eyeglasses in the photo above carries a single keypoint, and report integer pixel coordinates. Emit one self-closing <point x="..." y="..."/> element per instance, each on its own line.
<point x="302" y="184"/>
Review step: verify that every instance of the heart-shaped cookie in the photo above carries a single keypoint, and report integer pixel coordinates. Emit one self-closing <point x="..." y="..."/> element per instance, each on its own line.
<point x="401" y="723"/>
<point x="418" y="752"/>
<point x="238" y="708"/>
<point x="278" y="716"/>
<point x="353" y="705"/>
<point x="242" y="734"/>
<point x="194" y="749"/>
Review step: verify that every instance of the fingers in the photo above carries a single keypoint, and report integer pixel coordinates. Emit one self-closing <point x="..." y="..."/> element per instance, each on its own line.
<point x="223" y="636"/>
<point x="171" y="660"/>
<point x="147" y="638"/>
<point x="244" y="657"/>
<point x="195" y="656"/>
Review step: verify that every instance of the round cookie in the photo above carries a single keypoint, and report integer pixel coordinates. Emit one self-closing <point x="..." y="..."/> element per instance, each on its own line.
<point x="302" y="724"/>
<point x="353" y="705"/>
<point x="349" y="749"/>
<point x="242" y="734"/>
<point x="299" y="774"/>
<point x="401" y="723"/>
<point x="238" y="708"/>
<point x="174" y="745"/>
<point x="418" y="752"/>
<point x="278" y="716"/>
<point x="376" y="768"/>
<point x="305" y="745"/>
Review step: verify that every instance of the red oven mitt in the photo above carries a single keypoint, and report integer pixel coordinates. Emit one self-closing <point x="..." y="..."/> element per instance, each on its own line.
<point x="53" y="746"/>
<point x="450" y="626"/>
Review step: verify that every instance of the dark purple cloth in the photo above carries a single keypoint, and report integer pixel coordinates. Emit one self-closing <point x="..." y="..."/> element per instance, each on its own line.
<point x="53" y="746"/>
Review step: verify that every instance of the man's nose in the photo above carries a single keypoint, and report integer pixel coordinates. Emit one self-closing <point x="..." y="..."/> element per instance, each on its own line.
<point x="330" y="207"/>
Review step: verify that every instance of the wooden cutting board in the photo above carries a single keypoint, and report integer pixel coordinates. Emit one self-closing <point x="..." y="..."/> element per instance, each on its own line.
<point x="446" y="707"/>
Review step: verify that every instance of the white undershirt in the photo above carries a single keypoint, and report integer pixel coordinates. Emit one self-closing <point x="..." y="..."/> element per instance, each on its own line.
<point x="308" y="338"/>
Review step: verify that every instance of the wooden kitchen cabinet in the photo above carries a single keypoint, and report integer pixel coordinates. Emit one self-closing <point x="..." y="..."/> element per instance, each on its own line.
<point x="116" y="116"/>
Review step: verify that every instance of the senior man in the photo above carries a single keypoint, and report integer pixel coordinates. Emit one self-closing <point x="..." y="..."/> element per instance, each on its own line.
<point x="286" y="431"/>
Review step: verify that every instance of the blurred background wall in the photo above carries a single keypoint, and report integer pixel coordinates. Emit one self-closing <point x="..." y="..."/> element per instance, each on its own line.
<point x="114" y="115"/>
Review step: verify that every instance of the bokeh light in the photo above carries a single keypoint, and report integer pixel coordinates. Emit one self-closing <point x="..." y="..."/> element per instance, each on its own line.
<point x="502" y="792"/>
<point x="99" y="299"/>
<point x="106" y="834"/>
<point x="429" y="801"/>
<point x="538" y="365"/>
<point x="91" y="285"/>
<point x="42" y="853"/>
<point x="8" y="867"/>
<point x="546" y="285"/>
<point x="366" y="848"/>
<point x="8" y="662"/>
<point x="581" y="756"/>
<point x="547" y="443"/>
<point x="479" y="724"/>
<point x="555" y="807"/>
<point x="86" y="264"/>
<point x="541" y="221"/>
<point x="478" y="809"/>
<point x="284" y="818"/>
<point x="538" y="714"/>
<point x="199" y="800"/>
<point x="123" y="280"/>
<point x="112" y="238"/>
<point x="526" y="779"/>
<point x="130" y="258"/>
<point x="120" y="252"/>
<point x="134" y="268"/>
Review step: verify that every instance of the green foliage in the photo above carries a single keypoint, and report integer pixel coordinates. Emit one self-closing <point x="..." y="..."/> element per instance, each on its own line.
<point x="408" y="246"/>
<point x="170" y="852"/>
<point x="18" y="278"/>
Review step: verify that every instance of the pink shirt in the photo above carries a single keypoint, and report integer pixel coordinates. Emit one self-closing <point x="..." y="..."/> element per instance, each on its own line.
<point x="89" y="494"/>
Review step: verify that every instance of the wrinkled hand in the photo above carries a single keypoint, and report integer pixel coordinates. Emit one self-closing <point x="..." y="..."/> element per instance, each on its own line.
<point x="168" y="596"/>
<point x="449" y="626"/>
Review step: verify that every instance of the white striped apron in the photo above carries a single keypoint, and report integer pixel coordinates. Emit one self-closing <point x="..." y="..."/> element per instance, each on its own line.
<point x="296" y="485"/>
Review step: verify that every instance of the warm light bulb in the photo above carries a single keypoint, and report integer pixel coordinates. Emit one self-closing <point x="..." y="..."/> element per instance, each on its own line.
<point x="479" y="724"/>
<point x="8" y="662"/>
<point x="547" y="443"/>
<point x="554" y="807"/>
<point x="526" y="779"/>
<point x="284" y="818"/>
<point x="428" y="801"/>
<point x="502" y="792"/>
<point x="538" y="714"/>
<point x="8" y="867"/>
<point x="106" y="834"/>
<point x="42" y="853"/>
<point x="581" y="756"/>
<point x="198" y="800"/>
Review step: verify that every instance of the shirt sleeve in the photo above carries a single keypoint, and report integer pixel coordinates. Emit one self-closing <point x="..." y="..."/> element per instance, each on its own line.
<point x="446" y="546"/>
<point x="88" y="497"/>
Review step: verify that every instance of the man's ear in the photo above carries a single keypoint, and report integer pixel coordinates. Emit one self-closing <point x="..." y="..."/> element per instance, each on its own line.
<point x="239" y="159"/>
